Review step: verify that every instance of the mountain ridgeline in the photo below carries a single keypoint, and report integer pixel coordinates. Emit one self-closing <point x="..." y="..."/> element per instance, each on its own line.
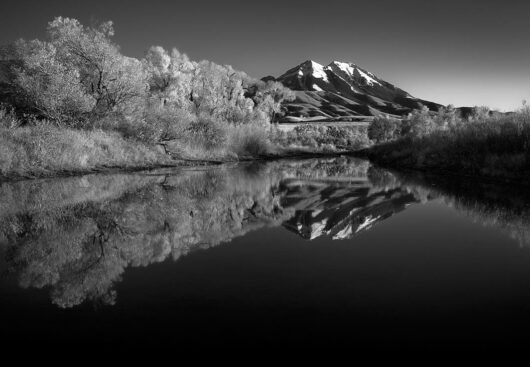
<point x="341" y="90"/>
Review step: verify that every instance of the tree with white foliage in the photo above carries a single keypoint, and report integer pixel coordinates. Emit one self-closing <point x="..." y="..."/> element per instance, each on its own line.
<point x="47" y="86"/>
<point x="112" y="79"/>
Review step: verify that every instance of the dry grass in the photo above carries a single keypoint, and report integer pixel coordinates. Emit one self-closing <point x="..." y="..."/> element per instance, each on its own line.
<point x="41" y="150"/>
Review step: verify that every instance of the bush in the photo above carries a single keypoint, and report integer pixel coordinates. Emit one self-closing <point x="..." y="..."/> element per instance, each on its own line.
<point x="206" y="132"/>
<point x="150" y="126"/>
<point x="249" y="140"/>
<point x="8" y="118"/>
<point x="492" y="144"/>
<point x="383" y="129"/>
<point x="418" y="123"/>
<point x="325" y="138"/>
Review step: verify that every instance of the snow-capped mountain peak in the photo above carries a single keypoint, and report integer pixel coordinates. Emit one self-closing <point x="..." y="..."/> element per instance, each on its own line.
<point x="342" y="89"/>
<point x="318" y="71"/>
<point x="353" y="71"/>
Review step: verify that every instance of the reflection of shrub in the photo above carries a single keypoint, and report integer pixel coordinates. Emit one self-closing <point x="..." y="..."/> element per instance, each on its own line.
<point x="382" y="178"/>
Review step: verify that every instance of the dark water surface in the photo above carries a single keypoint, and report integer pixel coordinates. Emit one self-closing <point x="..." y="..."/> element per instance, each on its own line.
<point x="323" y="252"/>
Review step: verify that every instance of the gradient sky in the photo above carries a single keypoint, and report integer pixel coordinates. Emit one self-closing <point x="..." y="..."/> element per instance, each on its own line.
<point x="452" y="51"/>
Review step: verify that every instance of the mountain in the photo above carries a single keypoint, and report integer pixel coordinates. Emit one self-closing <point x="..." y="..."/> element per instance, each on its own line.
<point x="340" y="90"/>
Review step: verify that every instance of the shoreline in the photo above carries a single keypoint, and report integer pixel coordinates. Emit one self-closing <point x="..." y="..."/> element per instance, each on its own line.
<point x="520" y="180"/>
<point x="178" y="163"/>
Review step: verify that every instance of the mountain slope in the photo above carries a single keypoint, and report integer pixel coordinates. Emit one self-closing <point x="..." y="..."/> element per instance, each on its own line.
<point x="343" y="89"/>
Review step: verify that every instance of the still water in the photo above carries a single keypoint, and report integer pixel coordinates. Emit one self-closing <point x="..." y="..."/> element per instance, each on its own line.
<point x="297" y="252"/>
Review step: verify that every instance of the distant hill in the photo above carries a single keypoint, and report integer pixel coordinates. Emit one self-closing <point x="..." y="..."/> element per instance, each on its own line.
<point x="344" y="89"/>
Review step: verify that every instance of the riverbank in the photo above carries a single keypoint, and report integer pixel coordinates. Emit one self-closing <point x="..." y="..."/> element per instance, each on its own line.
<point x="45" y="150"/>
<point x="493" y="147"/>
<point x="48" y="151"/>
<point x="41" y="151"/>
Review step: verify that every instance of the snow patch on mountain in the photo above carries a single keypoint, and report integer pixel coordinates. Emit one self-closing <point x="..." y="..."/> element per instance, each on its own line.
<point x="318" y="71"/>
<point x="368" y="78"/>
<point x="347" y="68"/>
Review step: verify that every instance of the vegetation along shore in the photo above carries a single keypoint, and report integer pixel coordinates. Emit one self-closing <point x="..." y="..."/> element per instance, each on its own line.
<point x="485" y="144"/>
<point x="73" y="103"/>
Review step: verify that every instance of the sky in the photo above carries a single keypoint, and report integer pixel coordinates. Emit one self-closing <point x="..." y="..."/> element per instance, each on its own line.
<point x="463" y="52"/>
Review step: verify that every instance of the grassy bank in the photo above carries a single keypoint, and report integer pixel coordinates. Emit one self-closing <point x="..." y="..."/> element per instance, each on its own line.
<point x="48" y="150"/>
<point x="495" y="146"/>
<point x="35" y="148"/>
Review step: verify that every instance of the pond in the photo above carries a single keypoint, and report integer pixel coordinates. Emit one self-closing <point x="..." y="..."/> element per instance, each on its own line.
<point x="328" y="251"/>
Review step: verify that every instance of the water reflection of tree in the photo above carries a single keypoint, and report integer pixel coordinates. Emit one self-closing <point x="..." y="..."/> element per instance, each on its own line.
<point x="78" y="235"/>
<point x="81" y="250"/>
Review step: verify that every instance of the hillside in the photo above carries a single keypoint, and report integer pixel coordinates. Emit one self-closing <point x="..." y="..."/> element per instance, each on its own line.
<point x="341" y="90"/>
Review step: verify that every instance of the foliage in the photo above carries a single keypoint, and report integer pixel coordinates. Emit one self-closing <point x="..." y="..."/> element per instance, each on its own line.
<point x="77" y="73"/>
<point x="384" y="128"/>
<point x="207" y="133"/>
<point x="494" y="145"/>
<point x="249" y="140"/>
<point x="323" y="138"/>
<point x="113" y="80"/>
<point x="47" y="86"/>
<point x="8" y="118"/>
<point x="210" y="89"/>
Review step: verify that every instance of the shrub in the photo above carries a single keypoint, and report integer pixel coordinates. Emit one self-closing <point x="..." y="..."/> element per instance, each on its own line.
<point x="8" y="118"/>
<point x="418" y="123"/>
<point x="249" y="140"/>
<point x="494" y="144"/>
<point x="447" y="117"/>
<point x="206" y="132"/>
<point x="383" y="129"/>
<point x="327" y="138"/>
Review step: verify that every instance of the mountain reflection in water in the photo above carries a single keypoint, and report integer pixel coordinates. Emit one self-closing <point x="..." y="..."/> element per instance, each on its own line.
<point x="76" y="236"/>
